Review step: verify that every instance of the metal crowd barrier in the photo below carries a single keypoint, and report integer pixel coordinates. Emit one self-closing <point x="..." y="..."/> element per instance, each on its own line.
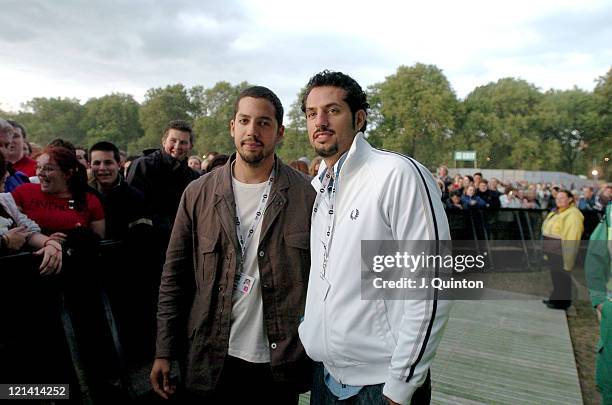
<point x="508" y="224"/>
<point x="91" y="326"/>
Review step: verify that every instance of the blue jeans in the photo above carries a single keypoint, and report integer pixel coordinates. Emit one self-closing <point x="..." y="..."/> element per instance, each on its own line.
<point x="369" y="395"/>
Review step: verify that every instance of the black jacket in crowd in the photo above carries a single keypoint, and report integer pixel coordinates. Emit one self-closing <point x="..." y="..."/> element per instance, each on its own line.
<point x="162" y="179"/>
<point x="491" y="197"/>
<point x="124" y="210"/>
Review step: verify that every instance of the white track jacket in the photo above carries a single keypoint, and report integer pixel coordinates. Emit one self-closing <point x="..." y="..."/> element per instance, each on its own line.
<point x="380" y="196"/>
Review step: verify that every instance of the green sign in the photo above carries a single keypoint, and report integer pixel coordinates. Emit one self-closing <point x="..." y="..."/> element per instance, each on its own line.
<point x="465" y="155"/>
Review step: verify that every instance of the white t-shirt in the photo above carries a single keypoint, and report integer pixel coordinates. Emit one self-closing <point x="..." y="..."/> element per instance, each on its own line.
<point x="248" y="338"/>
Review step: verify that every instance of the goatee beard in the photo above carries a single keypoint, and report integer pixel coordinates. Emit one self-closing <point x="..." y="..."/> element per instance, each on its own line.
<point x="253" y="159"/>
<point x="327" y="152"/>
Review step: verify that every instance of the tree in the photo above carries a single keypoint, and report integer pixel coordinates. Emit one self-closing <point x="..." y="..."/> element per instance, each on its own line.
<point x="499" y="124"/>
<point x="569" y="118"/>
<point x="112" y="118"/>
<point x="603" y="106"/>
<point x="296" y="143"/>
<point x="50" y="118"/>
<point x="603" y="101"/>
<point x="215" y="111"/>
<point x="161" y="106"/>
<point x="414" y="112"/>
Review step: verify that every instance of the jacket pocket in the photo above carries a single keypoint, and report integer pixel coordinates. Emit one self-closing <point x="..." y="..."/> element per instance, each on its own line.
<point x="360" y="336"/>
<point x="209" y="252"/>
<point x="387" y="329"/>
<point x="298" y="240"/>
<point x="298" y="255"/>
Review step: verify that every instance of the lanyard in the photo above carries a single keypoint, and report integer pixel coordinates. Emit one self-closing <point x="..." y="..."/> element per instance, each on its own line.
<point x="330" y="216"/>
<point x="246" y="238"/>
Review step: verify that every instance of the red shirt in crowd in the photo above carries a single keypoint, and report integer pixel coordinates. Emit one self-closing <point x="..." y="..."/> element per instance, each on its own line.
<point x="55" y="214"/>
<point x="26" y="166"/>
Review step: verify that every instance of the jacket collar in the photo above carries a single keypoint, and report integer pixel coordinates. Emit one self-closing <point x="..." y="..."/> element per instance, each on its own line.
<point x="170" y="161"/>
<point x="96" y="186"/>
<point x="356" y="156"/>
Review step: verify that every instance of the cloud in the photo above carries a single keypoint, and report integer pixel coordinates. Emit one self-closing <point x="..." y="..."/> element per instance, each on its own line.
<point x="113" y="33"/>
<point x="88" y="49"/>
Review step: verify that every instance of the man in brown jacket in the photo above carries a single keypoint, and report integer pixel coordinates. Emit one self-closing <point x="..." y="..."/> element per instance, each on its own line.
<point x="234" y="284"/>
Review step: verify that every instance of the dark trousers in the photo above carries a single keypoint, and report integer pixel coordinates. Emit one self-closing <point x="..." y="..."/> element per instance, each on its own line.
<point x="561" y="295"/>
<point x="242" y="382"/>
<point x="369" y="395"/>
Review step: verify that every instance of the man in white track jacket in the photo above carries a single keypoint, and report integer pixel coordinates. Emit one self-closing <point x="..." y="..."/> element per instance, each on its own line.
<point x="374" y="351"/>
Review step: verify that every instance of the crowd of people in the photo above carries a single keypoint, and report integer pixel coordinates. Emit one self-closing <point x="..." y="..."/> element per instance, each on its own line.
<point x="249" y="261"/>
<point x="474" y="191"/>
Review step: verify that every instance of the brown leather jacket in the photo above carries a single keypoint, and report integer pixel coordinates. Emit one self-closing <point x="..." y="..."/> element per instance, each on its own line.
<point x="195" y="296"/>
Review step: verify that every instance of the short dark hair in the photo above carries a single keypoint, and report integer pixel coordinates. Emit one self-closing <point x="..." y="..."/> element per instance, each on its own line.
<point x="179" y="125"/>
<point x="262" y="92"/>
<point x="478" y="174"/>
<point x="15" y="124"/>
<point x="106" y="146"/>
<point x="355" y="97"/>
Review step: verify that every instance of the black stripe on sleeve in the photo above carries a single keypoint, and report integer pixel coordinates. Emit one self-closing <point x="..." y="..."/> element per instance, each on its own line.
<point x="435" y="298"/>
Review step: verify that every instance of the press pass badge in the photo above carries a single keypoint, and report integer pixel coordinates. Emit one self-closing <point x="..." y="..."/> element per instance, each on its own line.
<point x="245" y="284"/>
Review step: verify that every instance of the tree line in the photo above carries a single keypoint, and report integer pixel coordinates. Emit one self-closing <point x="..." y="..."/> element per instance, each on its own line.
<point x="510" y="123"/>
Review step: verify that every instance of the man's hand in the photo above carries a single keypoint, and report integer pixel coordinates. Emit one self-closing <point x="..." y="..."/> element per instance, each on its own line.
<point x="160" y="378"/>
<point x="598" y="311"/>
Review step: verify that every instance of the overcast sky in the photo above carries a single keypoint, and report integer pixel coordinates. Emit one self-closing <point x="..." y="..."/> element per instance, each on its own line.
<point x="87" y="49"/>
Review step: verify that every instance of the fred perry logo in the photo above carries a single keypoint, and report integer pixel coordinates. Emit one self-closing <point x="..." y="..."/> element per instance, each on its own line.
<point x="354" y="214"/>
